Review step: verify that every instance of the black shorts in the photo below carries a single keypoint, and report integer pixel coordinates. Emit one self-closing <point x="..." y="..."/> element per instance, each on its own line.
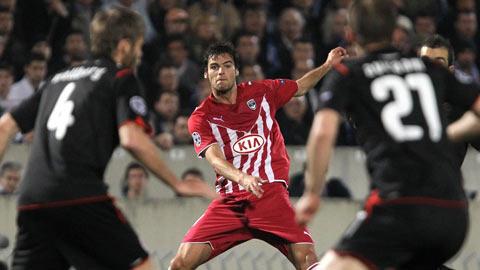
<point x="405" y="236"/>
<point x="86" y="236"/>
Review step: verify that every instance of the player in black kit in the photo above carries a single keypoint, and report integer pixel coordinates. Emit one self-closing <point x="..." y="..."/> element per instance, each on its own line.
<point x="65" y="216"/>
<point x="438" y="49"/>
<point x="395" y="103"/>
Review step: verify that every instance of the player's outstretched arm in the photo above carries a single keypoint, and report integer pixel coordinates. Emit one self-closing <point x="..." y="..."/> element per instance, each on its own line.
<point x="319" y="149"/>
<point x="215" y="157"/>
<point x="139" y="144"/>
<point x="467" y="127"/>
<point x="309" y="80"/>
<point x="8" y="128"/>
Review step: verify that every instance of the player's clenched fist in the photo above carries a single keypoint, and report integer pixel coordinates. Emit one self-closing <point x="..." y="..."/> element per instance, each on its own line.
<point x="306" y="207"/>
<point x="252" y="184"/>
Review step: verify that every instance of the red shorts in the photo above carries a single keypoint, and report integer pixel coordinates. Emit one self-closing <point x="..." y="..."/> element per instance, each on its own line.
<point x="230" y="221"/>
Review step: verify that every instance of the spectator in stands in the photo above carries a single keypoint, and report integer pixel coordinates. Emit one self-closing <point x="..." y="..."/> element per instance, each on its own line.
<point x="81" y="13"/>
<point x="228" y="19"/>
<point x="425" y="25"/>
<point x="139" y="6"/>
<point x="35" y="72"/>
<point x="251" y="73"/>
<point x="465" y="68"/>
<point x="290" y="27"/>
<point x="10" y="173"/>
<point x="206" y="31"/>
<point x="165" y="110"/>
<point x="14" y="50"/>
<point x="291" y="121"/>
<point x="157" y="9"/>
<point x="189" y="72"/>
<point x="180" y="133"/>
<point x="176" y="24"/>
<point x="247" y="46"/>
<point x="6" y="80"/>
<point x="75" y="50"/>
<point x="402" y="36"/>
<point x="192" y="174"/>
<point x="134" y="184"/>
<point x="333" y="31"/>
<point x="167" y="80"/>
<point x="254" y="20"/>
<point x="42" y="47"/>
<point x="202" y="90"/>
<point x="466" y="26"/>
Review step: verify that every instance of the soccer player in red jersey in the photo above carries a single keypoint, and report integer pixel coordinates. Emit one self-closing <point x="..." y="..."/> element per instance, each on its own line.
<point x="236" y="131"/>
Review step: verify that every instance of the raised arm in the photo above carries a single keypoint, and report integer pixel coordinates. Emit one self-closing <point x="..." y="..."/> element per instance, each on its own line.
<point x="215" y="157"/>
<point x="309" y="80"/>
<point x="8" y="128"/>
<point x="139" y="144"/>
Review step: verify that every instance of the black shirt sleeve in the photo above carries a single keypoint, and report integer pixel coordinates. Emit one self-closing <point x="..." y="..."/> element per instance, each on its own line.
<point x="335" y="92"/>
<point x="25" y="113"/>
<point x="131" y="105"/>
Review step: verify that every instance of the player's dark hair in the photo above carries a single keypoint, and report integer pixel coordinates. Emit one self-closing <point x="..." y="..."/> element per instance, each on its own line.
<point x="372" y="20"/>
<point x="218" y="49"/>
<point x="110" y="26"/>
<point x="437" y="41"/>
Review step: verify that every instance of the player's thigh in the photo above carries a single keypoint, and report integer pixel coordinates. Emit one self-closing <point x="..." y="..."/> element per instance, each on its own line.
<point x="191" y="255"/>
<point x="35" y="246"/>
<point x="101" y="231"/>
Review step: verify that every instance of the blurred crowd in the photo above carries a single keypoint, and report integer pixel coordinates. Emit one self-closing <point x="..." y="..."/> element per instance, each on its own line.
<point x="274" y="39"/>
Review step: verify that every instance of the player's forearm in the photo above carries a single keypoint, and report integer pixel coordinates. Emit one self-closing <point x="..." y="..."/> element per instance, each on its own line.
<point x="226" y="169"/>
<point x="8" y="127"/>
<point x="142" y="148"/>
<point x="319" y="149"/>
<point x="309" y="80"/>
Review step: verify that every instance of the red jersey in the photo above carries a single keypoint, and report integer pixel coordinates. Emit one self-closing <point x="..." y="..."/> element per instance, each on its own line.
<point x="246" y="131"/>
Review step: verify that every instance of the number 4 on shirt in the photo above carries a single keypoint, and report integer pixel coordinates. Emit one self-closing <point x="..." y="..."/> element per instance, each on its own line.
<point x="61" y="117"/>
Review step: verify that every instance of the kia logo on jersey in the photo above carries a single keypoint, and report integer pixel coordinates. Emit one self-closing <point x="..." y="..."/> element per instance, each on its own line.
<point x="248" y="144"/>
<point x="252" y="104"/>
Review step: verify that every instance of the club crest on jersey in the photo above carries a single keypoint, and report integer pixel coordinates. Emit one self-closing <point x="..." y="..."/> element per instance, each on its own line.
<point x="252" y="105"/>
<point x="138" y="105"/>
<point x="248" y="144"/>
<point x="196" y="138"/>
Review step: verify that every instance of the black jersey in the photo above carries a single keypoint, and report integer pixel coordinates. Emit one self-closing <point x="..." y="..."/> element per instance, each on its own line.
<point x="395" y="103"/>
<point x="75" y="117"/>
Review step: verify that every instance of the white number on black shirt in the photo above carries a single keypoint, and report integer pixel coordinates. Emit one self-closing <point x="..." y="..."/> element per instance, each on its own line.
<point x="61" y="117"/>
<point x="402" y="105"/>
